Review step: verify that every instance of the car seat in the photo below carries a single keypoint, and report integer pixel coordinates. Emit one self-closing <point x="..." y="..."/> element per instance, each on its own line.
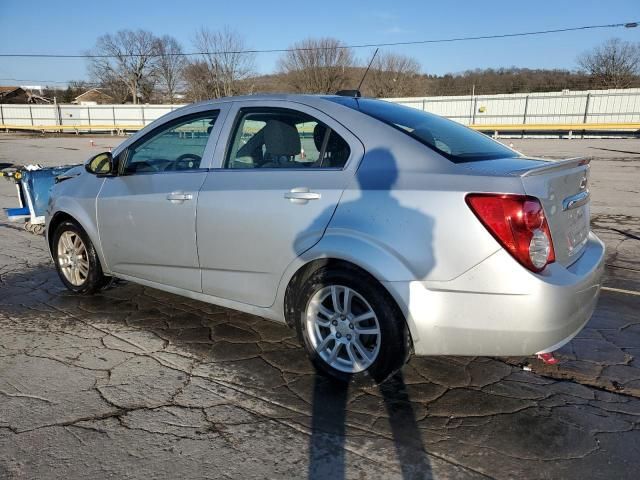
<point x="282" y="144"/>
<point x="336" y="150"/>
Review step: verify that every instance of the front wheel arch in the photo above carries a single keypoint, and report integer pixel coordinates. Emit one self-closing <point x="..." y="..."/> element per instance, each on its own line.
<point x="83" y="251"/>
<point x="56" y="220"/>
<point x="83" y="222"/>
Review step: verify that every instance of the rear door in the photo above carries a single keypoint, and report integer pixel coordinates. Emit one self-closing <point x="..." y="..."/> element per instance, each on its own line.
<point x="279" y="179"/>
<point x="146" y="214"/>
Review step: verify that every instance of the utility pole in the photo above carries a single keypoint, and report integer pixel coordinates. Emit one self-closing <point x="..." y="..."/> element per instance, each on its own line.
<point x="473" y="103"/>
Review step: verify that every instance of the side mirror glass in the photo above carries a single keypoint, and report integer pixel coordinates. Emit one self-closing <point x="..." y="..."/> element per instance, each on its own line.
<point x="101" y="164"/>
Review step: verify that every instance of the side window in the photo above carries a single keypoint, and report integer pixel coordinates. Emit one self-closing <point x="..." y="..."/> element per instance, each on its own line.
<point x="176" y="146"/>
<point x="282" y="138"/>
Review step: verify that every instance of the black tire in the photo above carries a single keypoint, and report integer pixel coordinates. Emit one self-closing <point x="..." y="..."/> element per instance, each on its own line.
<point x="395" y="340"/>
<point x="95" y="279"/>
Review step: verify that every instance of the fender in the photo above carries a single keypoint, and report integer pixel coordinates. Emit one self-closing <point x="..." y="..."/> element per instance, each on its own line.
<point x="379" y="260"/>
<point x="85" y="214"/>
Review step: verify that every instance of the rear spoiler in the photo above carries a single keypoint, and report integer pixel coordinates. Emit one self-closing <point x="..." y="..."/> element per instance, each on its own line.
<point x="552" y="165"/>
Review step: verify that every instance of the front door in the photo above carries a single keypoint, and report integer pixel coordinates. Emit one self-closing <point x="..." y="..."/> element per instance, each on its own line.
<point x="281" y="177"/>
<point x="147" y="214"/>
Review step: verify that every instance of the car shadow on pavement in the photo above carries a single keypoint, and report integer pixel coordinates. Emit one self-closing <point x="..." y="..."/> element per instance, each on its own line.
<point x="482" y="413"/>
<point x="36" y="301"/>
<point x="327" y="447"/>
<point x="370" y="208"/>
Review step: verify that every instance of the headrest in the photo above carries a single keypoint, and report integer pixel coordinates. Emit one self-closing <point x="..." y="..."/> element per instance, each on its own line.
<point x="281" y="138"/>
<point x="318" y="135"/>
<point x="334" y="144"/>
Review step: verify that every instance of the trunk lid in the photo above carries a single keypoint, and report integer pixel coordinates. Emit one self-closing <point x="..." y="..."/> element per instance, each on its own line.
<point x="562" y="186"/>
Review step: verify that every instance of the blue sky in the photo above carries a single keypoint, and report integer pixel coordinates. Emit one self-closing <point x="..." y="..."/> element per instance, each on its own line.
<point x="72" y="27"/>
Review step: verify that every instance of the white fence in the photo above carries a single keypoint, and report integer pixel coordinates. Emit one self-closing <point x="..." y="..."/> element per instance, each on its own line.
<point x="592" y="107"/>
<point x="95" y="116"/>
<point x="552" y="108"/>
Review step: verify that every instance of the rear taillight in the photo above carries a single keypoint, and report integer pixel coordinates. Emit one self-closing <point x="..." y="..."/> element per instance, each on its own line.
<point x="518" y="223"/>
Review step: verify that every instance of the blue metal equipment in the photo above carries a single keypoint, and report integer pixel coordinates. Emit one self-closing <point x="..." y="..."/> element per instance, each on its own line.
<point x="33" y="184"/>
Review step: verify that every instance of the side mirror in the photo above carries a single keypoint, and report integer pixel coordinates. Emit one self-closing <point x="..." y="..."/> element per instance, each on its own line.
<point x="101" y="165"/>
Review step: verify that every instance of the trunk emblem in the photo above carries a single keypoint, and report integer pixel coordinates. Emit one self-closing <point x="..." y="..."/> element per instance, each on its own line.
<point x="583" y="183"/>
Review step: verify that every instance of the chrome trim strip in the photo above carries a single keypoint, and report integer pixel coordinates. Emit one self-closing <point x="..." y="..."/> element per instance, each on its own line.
<point x="575" y="201"/>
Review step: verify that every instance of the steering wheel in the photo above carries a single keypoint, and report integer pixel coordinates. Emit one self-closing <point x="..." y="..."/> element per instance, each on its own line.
<point x="141" y="166"/>
<point x="186" y="161"/>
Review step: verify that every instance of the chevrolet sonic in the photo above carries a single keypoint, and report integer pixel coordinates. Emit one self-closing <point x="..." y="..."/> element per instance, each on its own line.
<point x="373" y="229"/>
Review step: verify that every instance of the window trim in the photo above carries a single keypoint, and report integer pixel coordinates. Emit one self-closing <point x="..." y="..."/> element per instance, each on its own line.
<point x="267" y="108"/>
<point x="354" y="104"/>
<point x="456" y="159"/>
<point x="123" y="156"/>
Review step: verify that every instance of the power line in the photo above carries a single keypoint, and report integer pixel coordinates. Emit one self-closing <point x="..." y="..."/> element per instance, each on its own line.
<point x="22" y="80"/>
<point x="364" y="45"/>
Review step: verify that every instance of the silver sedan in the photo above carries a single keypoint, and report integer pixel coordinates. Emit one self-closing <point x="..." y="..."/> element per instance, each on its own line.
<point x="373" y="229"/>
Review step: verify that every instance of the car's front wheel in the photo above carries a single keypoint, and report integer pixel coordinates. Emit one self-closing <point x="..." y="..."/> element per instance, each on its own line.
<point x="350" y="326"/>
<point x="76" y="259"/>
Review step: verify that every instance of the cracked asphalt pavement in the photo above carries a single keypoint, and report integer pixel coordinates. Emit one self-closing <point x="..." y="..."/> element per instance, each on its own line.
<point x="137" y="383"/>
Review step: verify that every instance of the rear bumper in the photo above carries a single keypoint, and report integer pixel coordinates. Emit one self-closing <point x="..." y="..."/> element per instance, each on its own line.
<point x="498" y="308"/>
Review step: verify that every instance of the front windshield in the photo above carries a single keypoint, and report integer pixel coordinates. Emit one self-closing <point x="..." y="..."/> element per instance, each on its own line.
<point x="454" y="141"/>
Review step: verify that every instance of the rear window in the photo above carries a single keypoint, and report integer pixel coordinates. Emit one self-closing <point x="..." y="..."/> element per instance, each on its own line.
<point x="454" y="141"/>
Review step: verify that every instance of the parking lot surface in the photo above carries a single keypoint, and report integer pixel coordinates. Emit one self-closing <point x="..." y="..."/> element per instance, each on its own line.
<point x="137" y="383"/>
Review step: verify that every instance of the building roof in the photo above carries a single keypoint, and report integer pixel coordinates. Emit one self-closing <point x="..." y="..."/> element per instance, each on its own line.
<point x="5" y="90"/>
<point x="94" y="91"/>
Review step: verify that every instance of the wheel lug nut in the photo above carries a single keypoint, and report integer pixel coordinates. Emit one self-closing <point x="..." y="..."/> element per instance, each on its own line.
<point x="348" y="337"/>
<point x="334" y="322"/>
<point x="342" y="317"/>
<point x="338" y="335"/>
<point x="351" y="326"/>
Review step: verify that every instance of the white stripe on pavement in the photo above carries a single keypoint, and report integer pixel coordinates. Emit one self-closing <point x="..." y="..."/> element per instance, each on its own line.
<point x="621" y="290"/>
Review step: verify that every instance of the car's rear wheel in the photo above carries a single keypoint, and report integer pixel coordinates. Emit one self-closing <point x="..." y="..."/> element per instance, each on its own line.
<point x="350" y="325"/>
<point x="76" y="259"/>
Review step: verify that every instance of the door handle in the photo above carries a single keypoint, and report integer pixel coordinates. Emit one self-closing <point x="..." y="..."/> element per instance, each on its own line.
<point x="301" y="195"/>
<point x="179" y="197"/>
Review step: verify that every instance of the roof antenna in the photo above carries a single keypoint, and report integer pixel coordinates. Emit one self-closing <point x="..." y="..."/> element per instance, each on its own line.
<point x="368" y="67"/>
<point x="356" y="93"/>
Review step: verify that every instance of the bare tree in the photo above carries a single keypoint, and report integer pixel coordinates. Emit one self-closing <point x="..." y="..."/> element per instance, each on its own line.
<point x="614" y="64"/>
<point x="317" y="65"/>
<point x="227" y="63"/>
<point x="129" y="57"/>
<point x="171" y="64"/>
<point x="198" y="81"/>
<point x="392" y="75"/>
<point x="115" y="87"/>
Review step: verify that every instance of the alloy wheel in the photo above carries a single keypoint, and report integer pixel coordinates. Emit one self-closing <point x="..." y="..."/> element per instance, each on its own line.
<point x="72" y="258"/>
<point x="343" y="328"/>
